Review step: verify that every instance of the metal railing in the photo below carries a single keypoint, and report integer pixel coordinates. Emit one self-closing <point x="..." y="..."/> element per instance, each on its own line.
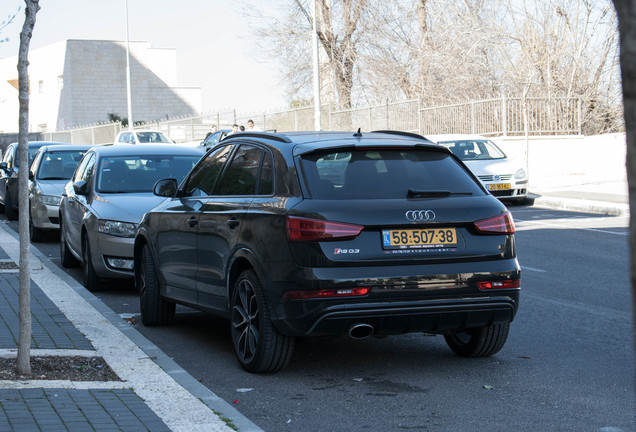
<point x="506" y="116"/>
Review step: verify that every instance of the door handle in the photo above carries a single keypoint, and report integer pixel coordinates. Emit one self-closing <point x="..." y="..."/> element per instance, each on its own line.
<point x="193" y="222"/>
<point x="233" y="223"/>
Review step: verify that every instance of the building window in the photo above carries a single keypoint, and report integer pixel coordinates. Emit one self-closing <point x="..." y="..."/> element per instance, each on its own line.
<point x="60" y="82"/>
<point x="41" y="87"/>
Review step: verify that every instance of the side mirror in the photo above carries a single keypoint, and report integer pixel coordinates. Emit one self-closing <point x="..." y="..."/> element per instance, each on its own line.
<point x="31" y="175"/>
<point x="166" y="188"/>
<point x="3" y="166"/>
<point x="80" y="187"/>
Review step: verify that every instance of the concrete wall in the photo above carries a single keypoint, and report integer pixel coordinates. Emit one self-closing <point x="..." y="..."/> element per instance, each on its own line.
<point x="79" y="82"/>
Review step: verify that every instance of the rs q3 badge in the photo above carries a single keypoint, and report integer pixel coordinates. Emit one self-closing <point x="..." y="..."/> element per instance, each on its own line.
<point x="339" y="251"/>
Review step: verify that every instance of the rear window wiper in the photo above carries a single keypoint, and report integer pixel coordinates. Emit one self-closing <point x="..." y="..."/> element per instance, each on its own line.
<point x="412" y="193"/>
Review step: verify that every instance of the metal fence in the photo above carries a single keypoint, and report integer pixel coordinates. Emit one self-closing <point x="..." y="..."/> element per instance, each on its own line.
<point x="500" y="117"/>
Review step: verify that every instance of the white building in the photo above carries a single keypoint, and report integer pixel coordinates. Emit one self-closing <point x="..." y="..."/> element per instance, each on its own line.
<point x="79" y="82"/>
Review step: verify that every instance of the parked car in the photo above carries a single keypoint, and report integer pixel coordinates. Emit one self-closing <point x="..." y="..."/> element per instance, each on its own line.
<point x="9" y="168"/>
<point x="50" y="170"/>
<point x="214" y="138"/>
<point x="104" y="201"/>
<point x="142" y="137"/>
<point x="504" y="177"/>
<point x="392" y="235"/>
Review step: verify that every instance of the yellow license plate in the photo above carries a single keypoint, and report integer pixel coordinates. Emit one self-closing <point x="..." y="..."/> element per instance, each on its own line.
<point x="419" y="238"/>
<point x="499" y="186"/>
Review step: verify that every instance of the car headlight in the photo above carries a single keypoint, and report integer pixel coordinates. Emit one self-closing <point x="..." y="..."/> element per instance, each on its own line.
<point x="51" y="200"/>
<point x="521" y="174"/>
<point x="116" y="228"/>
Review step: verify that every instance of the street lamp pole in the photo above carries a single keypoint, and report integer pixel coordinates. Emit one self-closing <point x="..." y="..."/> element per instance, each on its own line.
<point x="316" y="70"/>
<point x="128" y="90"/>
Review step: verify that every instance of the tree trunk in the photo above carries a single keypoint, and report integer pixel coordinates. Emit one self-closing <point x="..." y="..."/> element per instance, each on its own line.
<point x="23" y="363"/>
<point x="626" y="11"/>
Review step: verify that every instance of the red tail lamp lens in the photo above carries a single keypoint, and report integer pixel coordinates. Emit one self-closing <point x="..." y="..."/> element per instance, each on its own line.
<point x="326" y="293"/>
<point x="505" y="284"/>
<point x="500" y="224"/>
<point x="301" y="229"/>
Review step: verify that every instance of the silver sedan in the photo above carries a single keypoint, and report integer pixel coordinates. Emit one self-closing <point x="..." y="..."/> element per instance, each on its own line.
<point x="51" y="169"/>
<point x="105" y="200"/>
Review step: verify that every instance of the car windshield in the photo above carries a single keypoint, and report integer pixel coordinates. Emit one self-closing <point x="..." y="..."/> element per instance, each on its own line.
<point x="59" y="165"/>
<point x="474" y="149"/>
<point x="122" y="174"/>
<point x="385" y="174"/>
<point x="153" y="137"/>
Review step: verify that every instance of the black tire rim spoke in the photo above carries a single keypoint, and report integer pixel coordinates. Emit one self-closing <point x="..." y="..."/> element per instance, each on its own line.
<point x="245" y="321"/>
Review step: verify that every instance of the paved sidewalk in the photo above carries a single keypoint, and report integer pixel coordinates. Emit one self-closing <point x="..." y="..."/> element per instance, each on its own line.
<point x="154" y="393"/>
<point x="587" y="194"/>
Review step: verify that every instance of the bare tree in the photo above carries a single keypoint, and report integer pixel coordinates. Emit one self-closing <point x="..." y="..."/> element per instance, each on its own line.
<point x="288" y="38"/>
<point x="5" y="23"/>
<point x="23" y="362"/>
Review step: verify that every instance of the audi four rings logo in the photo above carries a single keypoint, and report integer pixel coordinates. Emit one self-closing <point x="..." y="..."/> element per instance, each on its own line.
<point x="420" y="215"/>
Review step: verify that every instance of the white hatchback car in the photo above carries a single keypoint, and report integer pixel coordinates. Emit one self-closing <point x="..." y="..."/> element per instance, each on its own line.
<point x="505" y="178"/>
<point x="142" y="137"/>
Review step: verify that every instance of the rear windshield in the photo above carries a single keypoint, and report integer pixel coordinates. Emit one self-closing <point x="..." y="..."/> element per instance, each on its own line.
<point x="385" y="173"/>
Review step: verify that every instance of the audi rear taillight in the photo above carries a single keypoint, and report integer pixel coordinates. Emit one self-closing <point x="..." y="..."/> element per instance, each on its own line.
<point x="302" y="229"/>
<point x="504" y="284"/>
<point x="500" y="224"/>
<point x="326" y="293"/>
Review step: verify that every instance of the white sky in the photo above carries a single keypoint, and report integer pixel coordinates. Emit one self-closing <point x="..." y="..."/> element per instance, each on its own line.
<point x="212" y="41"/>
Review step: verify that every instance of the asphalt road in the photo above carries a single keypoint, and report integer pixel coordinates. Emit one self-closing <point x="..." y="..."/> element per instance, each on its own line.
<point x="568" y="364"/>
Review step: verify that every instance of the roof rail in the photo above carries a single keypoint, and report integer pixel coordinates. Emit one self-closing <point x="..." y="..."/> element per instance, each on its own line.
<point x="267" y="135"/>
<point x="394" y="132"/>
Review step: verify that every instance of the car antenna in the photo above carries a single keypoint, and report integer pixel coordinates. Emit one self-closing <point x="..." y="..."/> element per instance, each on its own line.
<point x="357" y="134"/>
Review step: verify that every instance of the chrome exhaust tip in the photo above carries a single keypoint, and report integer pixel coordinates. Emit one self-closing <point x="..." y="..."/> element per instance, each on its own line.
<point x="360" y="331"/>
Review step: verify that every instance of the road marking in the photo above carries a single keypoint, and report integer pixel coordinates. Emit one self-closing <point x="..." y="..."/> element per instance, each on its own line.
<point x="561" y="224"/>
<point x="533" y="269"/>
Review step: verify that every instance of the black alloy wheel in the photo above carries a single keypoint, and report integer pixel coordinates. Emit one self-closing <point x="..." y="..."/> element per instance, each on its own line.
<point x="68" y="260"/>
<point x="35" y="234"/>
<point x="91" y="280"/>
<point x="259" y="347"/>
<point x="154" y="309"/>
<point x="479" y="341"/>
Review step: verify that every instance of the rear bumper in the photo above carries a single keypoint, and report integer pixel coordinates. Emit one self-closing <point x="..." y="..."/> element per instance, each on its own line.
<point x="400" y="300"/>
<point x="386" y="318"/>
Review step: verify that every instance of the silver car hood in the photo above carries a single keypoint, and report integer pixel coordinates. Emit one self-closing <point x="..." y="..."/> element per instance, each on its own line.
<point x="51" y="187"/>
<point x="125" y="207"/>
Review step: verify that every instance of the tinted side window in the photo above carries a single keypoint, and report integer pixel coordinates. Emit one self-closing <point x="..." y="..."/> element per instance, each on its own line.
<point x="384" y="174"/>
<point x="8" y="157"/>
<point x="242" y="173"/>
<point x="86" y="168"/>
<point x="266" y="180"/>
<point x="204" y="176"/>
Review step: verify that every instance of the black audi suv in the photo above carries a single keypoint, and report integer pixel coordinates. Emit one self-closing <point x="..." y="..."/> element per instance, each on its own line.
<point x="331" y="233"/>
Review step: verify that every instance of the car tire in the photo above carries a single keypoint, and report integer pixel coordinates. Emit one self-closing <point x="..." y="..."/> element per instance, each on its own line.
<point x="259" y="347"/>
<point x="68" y="260"/>
<point x="155" y="310"/>
<point x="479" y="341"/>
<point x="91" y="280"/>
<point x="10" y="211"/>
<point x="35" y="234"/>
